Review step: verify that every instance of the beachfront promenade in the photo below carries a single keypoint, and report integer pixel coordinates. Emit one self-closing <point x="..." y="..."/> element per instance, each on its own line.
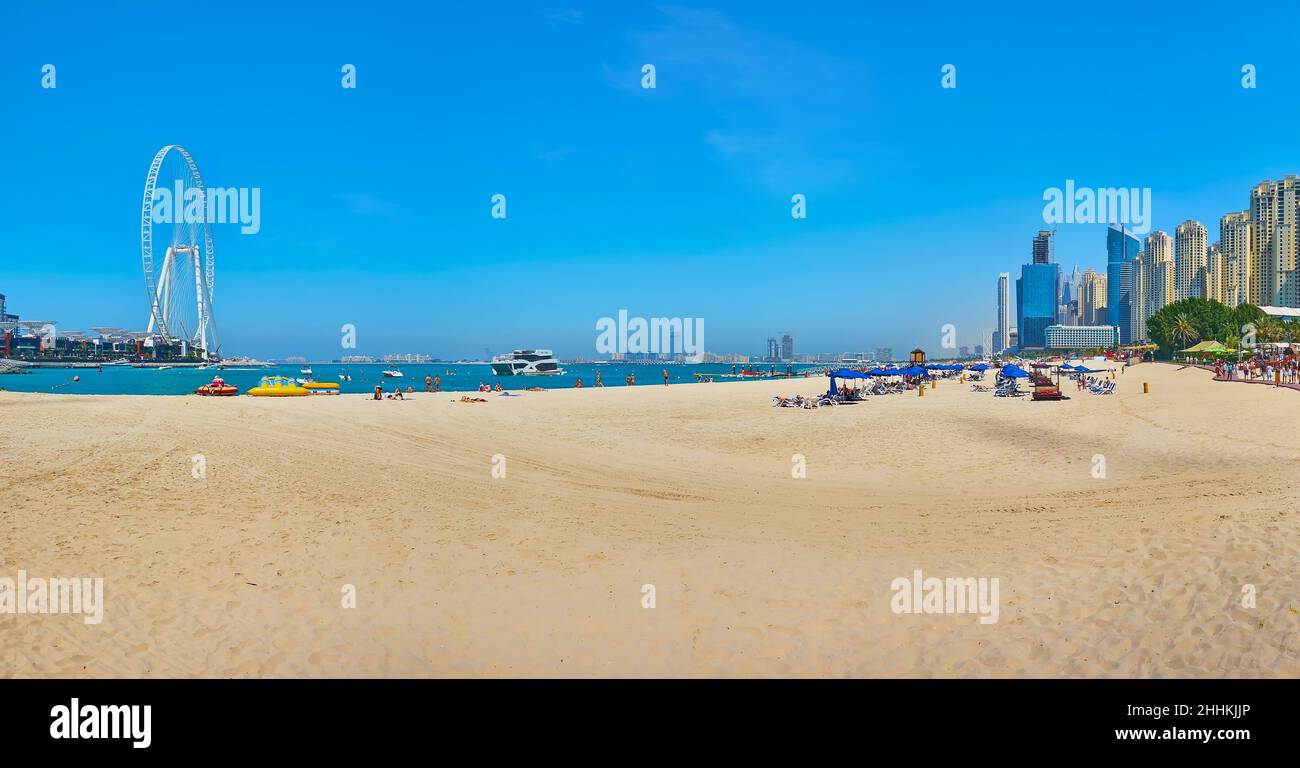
<point x="1239" y="380"/>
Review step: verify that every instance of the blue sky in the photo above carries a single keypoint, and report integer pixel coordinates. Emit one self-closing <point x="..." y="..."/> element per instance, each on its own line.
<point x="376" y="202"/>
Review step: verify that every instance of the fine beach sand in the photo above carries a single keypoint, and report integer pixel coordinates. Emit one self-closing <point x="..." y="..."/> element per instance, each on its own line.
<point x="688" y="488"/>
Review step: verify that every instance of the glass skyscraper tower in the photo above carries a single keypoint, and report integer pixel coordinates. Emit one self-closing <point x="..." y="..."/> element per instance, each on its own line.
<point x="1121" y="249"/>
<point x="1037" y="292"/>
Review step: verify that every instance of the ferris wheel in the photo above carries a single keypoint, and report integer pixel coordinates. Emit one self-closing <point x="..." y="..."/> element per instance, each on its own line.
<point x="176" y="211"/>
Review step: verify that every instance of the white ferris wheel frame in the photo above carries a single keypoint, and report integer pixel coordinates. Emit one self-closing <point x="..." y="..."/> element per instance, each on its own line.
<point x="159" y="288"/>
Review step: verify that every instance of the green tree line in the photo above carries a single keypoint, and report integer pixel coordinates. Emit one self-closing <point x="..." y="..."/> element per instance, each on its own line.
<point x="1184" y="323"/>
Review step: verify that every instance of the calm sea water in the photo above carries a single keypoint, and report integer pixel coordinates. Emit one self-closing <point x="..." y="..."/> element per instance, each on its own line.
<point x="124" y="380"/>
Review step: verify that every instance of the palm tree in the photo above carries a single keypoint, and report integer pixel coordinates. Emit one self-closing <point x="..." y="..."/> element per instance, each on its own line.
<point x="1184" y="330"/>
<point x="1268" y="329"/>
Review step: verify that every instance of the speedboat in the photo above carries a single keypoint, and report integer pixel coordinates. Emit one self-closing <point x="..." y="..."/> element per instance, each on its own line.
<point x="305" y="371"/>
<point x="527" y="362"/>
<point x="278" y="386"/>
<point x="217" y="388"/>
<point x="393" y="374"/>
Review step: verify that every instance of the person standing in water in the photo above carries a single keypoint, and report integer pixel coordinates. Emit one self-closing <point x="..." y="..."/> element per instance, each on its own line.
<point x="665" y="377"/>
<point x="437" y="383"/>
<point x="598" y="382"/>
<point x="428" y="383"/>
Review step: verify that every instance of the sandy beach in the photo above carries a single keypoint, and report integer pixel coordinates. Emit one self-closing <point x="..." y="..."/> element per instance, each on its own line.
<point x="242" y="572"/>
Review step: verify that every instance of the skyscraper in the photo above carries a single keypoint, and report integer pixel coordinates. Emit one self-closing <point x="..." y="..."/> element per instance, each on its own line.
<point x="787" y="348"/>
<point x="1070" y="312"/>
<point x="1002" y="332"/>
<point x="1036" y="293"/>
<point x="1235" y="245"/>
<point x="1092" y="297"/>
<point x="1191" y="260"/>
<point x="1153" y="281"/>
<point x="1121" y="250"/>
<point x="1275" y="248"/>
<point x="773" y="350"/>
<point x="1216" y="274"/>
<point x="1043" y="249"/>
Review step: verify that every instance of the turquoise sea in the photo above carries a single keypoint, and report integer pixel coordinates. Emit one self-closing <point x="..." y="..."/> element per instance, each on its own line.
<point x="124" y="380"/>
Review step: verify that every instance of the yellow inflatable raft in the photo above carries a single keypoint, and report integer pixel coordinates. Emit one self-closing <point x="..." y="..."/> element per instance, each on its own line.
<point x="278" y="386"/>
<point x="321" y="387"/>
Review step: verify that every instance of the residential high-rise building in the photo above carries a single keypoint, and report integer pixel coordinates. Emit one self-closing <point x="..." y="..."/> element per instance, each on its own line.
<point x="1154" y="275"/>
<point x="884" y="355"/>
<point x="1092" y="298"/>
<point x="1275" y="250"/>
<point x="1191" y="260"/>
<point x="1002" y="332"/>
<point x="1122" y="249"/>
<point x="1235" y="246"/>
<point x="787" y="348"/>
<point x="1043" y="250"/>
<point x="1216" y="274"/>
<point x="773" y="349"/>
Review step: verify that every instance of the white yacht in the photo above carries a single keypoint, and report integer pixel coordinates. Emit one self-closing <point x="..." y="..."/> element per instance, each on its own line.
<point x="393" y="373"/>
<point x="527" y="362"/>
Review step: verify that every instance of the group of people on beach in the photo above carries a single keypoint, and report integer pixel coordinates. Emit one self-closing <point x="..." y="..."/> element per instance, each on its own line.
<point x="1283" y="369"/>
<point x="434" y="384"/>
<point x="396" y="394"/>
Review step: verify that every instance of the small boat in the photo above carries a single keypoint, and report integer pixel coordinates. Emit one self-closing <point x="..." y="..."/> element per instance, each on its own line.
<point x="393" y="374"/>
<point x="305" y="371"/>
<point x="278" y="386"/>
<point x="165" y="367"/>
<point x="217" y="388"/>
<point x="345" y="376"/>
